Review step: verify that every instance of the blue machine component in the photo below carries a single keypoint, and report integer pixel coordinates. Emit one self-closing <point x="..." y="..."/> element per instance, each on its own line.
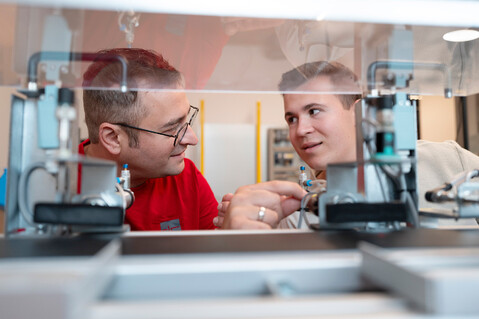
<point x="3" y="188"/>
<point x="47" y="120"/>
<point x="404" y="119"/>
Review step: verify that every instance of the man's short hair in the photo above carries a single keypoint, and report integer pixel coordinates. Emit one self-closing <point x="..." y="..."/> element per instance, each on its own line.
<point x="104" y="102"/>
<point x="338" y="74"/>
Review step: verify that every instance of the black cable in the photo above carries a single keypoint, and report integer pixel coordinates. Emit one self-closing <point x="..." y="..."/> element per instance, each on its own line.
<point x="465" y="127"/>
<point x="461" y="75"/>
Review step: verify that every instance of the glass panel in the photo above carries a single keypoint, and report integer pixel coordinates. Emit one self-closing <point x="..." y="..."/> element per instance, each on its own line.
<point x="218" y="53"/>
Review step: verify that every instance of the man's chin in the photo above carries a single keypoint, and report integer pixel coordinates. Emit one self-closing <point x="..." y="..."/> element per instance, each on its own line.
<point x="312" y="161"/>
<point x="316" y="165"/>
<point x="177" y="168"/>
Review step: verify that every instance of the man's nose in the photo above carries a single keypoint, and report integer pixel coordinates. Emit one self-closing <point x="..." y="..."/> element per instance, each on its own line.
<point x="190" y="137"/>
<point x="304" y="126"/>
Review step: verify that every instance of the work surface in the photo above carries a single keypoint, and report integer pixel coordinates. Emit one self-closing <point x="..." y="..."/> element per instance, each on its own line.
<point x="232" y="274"/>
<point x="221" y="242"/>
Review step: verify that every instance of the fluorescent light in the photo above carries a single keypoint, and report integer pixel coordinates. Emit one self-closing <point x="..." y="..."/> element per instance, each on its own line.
<point x="458" y="13"/>
<point x="461" y="35"/>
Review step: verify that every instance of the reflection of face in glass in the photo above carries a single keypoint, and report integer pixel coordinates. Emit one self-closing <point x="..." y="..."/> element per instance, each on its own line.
<point x="321" y="130"/>
<point x="307" y="41"/>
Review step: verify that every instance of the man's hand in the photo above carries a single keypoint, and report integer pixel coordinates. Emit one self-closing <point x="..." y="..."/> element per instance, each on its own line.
<point x="245" y="208"/>
<point x="222" y="207"/>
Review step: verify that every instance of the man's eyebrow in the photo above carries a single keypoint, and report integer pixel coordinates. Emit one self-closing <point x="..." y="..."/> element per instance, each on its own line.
<point x="311" y="105"/>
<point x="305" y="108"/>
<point x="288" y="114"/>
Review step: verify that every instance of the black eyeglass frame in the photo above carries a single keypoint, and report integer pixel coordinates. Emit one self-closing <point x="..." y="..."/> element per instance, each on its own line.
<point x="183" y="128"/>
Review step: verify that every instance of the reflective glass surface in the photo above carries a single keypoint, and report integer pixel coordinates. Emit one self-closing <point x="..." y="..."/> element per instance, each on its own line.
<point x="240" y="54"/>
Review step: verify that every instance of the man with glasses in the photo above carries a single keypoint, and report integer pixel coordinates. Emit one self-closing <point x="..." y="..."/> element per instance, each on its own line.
<point x="147" y="128"/>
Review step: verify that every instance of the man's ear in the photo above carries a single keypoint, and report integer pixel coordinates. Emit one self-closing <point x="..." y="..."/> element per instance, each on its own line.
<point x="110" y="137"/>
<point x="353" y="106"/>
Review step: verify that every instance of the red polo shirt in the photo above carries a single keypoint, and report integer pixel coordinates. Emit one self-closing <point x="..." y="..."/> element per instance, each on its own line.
<point x="180" y="202"/>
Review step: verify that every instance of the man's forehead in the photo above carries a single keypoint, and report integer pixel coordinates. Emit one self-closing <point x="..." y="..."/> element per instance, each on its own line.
<point x="318" y="84"/>
<point x="317" y="88"/>
<point x="301" y="101"/>
<point x="151" y="84"/>
<point x="324" y="84"/>
<point x="169" y="105"/>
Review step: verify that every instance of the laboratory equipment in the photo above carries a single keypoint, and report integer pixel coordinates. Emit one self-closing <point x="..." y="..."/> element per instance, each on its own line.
<point x="42" y="155"/>
<point x="303" y="178"/>
<point x="283" y="161"/>
<point x="125" y="177"/>
<point x="233" y="274"/>
<point x="461" y="191"/>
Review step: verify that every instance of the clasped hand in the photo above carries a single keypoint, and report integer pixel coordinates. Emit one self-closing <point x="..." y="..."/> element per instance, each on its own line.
<point x="259" y="206"/>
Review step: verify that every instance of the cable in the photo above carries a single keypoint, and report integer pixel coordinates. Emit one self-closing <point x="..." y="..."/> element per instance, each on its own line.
<point x="472" y="174"/>
<point x="459" y="88"/>
<point x="376" y="169"/>
<point x="304" y="205"/>
<point x="394" y="176"/>
<point x="412" y="208"/>
<point x="23" y="192"/>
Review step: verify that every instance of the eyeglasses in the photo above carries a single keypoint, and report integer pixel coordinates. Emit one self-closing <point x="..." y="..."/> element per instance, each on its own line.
<point x="178" y="136"/>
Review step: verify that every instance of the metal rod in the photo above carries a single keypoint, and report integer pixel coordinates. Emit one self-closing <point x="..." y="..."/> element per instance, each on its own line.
<point x="73" y="56"/>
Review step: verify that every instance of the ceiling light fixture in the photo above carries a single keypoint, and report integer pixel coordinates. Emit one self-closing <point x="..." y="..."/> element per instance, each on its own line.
<point x="461" y="35"/>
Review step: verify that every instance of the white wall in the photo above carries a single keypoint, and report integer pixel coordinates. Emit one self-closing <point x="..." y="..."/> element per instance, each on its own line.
<point x="230" y="137"/>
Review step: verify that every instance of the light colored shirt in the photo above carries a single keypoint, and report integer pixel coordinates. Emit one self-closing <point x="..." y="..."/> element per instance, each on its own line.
<point x="437" y="163"/>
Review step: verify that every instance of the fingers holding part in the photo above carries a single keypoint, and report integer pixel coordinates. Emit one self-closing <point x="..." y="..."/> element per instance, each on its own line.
<point x="250" y="217"/>
<point x="218" y="221"/>
<point x="282" y="188"/>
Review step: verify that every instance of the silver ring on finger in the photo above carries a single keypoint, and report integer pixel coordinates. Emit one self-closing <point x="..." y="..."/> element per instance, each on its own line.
<point x="261" y="213"/>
